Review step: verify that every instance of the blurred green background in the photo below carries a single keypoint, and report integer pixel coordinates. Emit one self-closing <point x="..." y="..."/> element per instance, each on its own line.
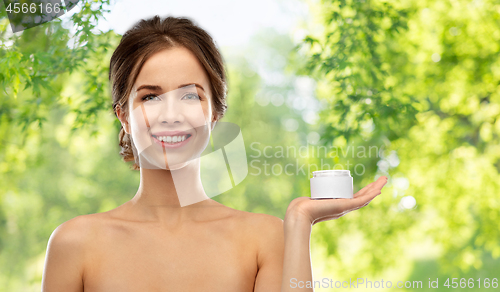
<point x="406" y="89"/>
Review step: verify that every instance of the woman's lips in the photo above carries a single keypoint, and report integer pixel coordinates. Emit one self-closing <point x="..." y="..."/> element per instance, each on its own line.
<point x="165" y="144"/>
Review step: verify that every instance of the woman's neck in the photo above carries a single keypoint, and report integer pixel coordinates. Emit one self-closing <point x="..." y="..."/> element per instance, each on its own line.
<point x="170" y="195"/>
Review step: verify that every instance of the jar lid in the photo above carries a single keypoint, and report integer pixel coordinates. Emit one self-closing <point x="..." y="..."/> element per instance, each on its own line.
<point x="335" y="172"/>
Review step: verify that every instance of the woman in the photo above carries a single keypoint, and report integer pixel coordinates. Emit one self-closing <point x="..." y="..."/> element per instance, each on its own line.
<point x="152" y="243"/>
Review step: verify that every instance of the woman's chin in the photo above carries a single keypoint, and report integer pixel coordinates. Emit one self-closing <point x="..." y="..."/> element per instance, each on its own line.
<point x="177" y="166"/>
<point x="153" y="158"/>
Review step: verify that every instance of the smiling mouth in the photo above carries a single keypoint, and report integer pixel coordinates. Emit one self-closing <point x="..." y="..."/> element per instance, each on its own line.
<point x="172" y="139"/>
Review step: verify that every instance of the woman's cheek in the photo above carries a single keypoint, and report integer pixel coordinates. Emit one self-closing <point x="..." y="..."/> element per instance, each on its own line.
<point x="139" y="125"/>
<point x="198" y="116"/>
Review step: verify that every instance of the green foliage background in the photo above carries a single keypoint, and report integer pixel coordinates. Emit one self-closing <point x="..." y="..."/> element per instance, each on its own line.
<point x="419" y="80"/>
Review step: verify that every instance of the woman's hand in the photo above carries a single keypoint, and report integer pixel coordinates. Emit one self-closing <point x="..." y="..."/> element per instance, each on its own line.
<point x="301" y="214"/>
<point x="314" y="211"/>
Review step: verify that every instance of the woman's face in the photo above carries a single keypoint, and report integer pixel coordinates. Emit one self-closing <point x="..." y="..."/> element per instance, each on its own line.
<point x="170" y="110"/>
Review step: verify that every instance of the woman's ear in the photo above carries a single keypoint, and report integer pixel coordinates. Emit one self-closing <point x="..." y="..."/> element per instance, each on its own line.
<point x="214" y="121"/>
<point x="123" y="119"/>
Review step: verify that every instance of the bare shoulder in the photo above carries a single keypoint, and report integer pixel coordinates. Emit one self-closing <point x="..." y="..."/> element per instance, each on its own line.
<point x="78" y="230"/>
<point x="264" y="222"/>
<point x="76" y="235"/>
<point x="257" y="222"/>
<point x="64" y="262"/>
<point x="265" y="230"/>
<point x="268" y="228"/>
<point x="268" y="235"/>
<point x="73" y="236"/>
<point x="72" y="232"/>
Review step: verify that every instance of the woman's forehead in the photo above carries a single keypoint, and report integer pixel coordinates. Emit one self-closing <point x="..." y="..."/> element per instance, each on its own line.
<point x="171" y="68"/>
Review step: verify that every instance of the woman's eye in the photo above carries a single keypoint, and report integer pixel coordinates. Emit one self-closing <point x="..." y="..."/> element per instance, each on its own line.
<point x="191" y="96"/>
<point x="150" y="97"/>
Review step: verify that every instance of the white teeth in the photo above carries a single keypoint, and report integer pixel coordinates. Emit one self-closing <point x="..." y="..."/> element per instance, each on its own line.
<point x="171" y="139"/>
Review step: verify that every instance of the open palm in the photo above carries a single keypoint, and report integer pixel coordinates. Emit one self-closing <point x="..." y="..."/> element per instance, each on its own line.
<point x="327" y="209"/>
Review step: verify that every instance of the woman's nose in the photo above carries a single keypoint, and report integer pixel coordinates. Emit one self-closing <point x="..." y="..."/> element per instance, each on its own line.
<point x="170" y="112"/>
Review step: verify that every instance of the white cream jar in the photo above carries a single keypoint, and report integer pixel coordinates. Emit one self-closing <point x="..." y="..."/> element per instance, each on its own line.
<point x="331" y="184"/>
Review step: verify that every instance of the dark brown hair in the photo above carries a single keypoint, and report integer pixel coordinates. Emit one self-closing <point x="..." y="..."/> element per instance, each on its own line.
<point x="149" y="36"/>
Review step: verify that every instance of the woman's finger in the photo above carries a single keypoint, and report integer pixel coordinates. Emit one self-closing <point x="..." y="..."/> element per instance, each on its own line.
<point x="378" y="184"/>
<point x="374" y="190"/>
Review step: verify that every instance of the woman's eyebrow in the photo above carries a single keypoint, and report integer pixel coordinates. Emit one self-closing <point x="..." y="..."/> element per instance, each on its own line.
<point x="157" y="87"/>
<point x="195" y="84"/>
<point x="150" y="87"/>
